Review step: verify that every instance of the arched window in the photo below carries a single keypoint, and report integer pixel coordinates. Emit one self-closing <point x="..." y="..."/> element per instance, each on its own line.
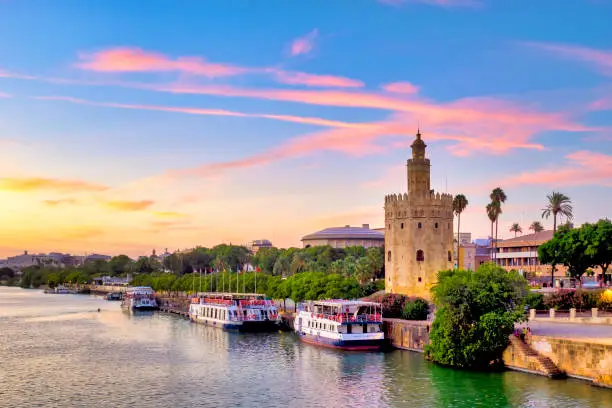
<point x="420" y="255"/>
<point x="420" y="225"/>
<point x="450" y="256"/>
<point x="402" y="225"/>
<point x="436" y="225"/>
<point x="389" y="256"/>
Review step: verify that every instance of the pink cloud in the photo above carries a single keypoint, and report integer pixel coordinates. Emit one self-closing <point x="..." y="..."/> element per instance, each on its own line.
<point x="323" y="81"/>
<point x="132" y="59"/>
<point x="601" y="59"/>
<point x="401" y="87"/>
<point x="604" y="103"/>
<point x="208" y="112"/>
<point x="304" y="45"/>
<point x="581" y="168"/>
<point x="5" y="95"/>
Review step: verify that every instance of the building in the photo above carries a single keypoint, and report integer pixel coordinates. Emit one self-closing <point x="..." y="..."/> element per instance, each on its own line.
<point x="465" y="238"/>
<point x="467" y="257"/>
<point x="521" y="253"/>
<point x="483" y="253"/>
<point x="342" y="237"/>
<point x="257" y="244"/>
<point x="418" y="230"/>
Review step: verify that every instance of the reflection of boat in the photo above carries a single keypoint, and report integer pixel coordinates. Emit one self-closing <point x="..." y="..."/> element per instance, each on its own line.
<point x="235" y="311"/>
<point x="139" y="298"/>
<point x="61" y="290"/>
<point x="114" y="296"/>
<point x="342" y="324"/>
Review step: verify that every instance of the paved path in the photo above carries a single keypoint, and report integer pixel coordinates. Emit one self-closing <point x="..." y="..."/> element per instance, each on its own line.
<point x="591" y="332"/>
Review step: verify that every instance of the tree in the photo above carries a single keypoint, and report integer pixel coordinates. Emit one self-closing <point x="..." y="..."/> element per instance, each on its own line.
<point x="536" y="227"/>
<point x="558" y="203"/>
<point x="376" y="256"/>
<point x="460" y="202"/>
<point x="265" y="259"/>
<point x="119" y="264"/>
<point x="6" y="272"/>
<point x="600" y="245"/>
<point x="493" y="210"/>
<point x="516" y="228"/>
<point x="476" y="312"/>
<point x="498" y="197"/>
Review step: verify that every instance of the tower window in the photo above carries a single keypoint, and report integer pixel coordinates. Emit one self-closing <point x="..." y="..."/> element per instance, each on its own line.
<point x="449" y="225"/>
<point x="450" y="256"/>
<point x="436" y="225"/>
<point x="402" y="225"/>
<point x="420" y="255"/>
<point x="420" y="225"/>
<point x="420" y="279"/>
<point x="389" y="256"/>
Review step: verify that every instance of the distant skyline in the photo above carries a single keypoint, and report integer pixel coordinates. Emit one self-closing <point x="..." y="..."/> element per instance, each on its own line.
<point x="126" y="126"/>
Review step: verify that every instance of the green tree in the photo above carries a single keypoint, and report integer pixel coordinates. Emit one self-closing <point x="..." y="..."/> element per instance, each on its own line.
<point x="516" y="228"/>
<point x="558" y="203"/>
<point x="476" y="312"/>
<point x="460" y="202"/>
<point x="120" y="264"/>
<point x="376" y="257"/>
<point x="536" y="227"/>
<point x="416" y="309"/>
<point x="265" y="259"/>
<point x="6" y="273"/>
<point x="600" y="245"/>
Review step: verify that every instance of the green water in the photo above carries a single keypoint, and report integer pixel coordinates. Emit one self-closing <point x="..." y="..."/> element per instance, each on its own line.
<point x="58" y="351"/>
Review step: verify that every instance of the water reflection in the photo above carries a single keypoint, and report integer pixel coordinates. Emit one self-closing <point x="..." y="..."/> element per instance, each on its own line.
<point x="57" y="351"/>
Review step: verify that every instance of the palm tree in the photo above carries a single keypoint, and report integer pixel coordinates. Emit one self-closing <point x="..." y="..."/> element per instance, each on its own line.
<point x="459" y="204"/>
<point x="498" y="196"/>
<point x="516" y="228"/>
<point x="558" y="203"/>
<point x="536" y="227"/>
<point x="492" y="214"/>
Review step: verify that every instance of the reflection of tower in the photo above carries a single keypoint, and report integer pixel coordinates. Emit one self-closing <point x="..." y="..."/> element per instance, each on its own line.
<point x="418" y="230"/>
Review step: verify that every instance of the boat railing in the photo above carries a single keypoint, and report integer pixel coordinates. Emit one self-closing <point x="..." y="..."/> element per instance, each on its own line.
<point x="349" y="318"/>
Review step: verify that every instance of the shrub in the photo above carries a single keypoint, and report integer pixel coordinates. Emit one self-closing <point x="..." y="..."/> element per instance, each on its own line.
<point x="604" y="300"/>
<point x="392" y="304"/>
<point x="535" y="300"/>
<point x="416" y="309"/>
<point x="565" y="299"/>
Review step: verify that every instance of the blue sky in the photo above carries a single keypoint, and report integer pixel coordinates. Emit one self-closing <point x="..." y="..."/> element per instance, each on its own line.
<point x="515" y="94"/>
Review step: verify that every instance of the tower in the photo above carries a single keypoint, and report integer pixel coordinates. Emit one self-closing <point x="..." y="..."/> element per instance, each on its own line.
<point x="418" y="230"/>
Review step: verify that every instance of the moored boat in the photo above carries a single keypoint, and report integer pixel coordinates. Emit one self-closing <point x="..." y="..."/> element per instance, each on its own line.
<point x="341" y="324"/>
<point x="114" y="296"/>
<point x="139" y="298"/>
<point x="235" y="312"/>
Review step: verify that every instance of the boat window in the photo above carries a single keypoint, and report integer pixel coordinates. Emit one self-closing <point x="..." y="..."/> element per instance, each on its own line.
<point x="349" y="329"/>
<point x="341" y="329"/>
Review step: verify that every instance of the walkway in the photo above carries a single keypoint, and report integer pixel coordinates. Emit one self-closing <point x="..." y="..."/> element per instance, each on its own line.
<point x="601" y="334"/>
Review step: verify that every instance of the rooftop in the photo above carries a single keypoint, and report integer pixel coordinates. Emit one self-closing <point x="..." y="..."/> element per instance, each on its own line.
<point x="537" y="238"/>
<point x="347" y="232"/>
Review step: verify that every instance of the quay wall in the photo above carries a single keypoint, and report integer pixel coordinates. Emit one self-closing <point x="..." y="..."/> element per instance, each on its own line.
<point x="580" y="358"/>
<point x="407" y="334"/>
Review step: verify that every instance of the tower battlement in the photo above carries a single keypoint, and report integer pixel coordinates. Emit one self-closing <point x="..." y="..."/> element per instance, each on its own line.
<point x="436" y="199"/>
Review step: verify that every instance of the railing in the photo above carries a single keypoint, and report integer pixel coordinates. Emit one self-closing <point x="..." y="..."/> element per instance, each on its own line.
<point x="344" y="318"/>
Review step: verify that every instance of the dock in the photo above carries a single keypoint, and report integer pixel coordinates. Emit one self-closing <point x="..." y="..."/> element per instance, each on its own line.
<point x="179" y="312"/>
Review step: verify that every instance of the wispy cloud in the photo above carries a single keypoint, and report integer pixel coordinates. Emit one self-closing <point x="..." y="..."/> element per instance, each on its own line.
<point x="401" y="87"/>
<point x="5" y="95"/>
<point x="55" y="203"/>
<point x="439" y="3"/>
<point x="602" y="104"/>
<point x="169" y="214"/>
<point x="305" y="44"/>
<point x="33" y="184"/>
<point x="600" y="59"/>
<point x="132" y="59"/>
<point x="208" y="112"/>
<point x="581" y="168"/>
<point x="129" y="205"/>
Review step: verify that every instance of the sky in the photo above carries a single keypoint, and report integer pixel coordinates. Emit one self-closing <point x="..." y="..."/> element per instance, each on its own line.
<point x="128" y="126"/>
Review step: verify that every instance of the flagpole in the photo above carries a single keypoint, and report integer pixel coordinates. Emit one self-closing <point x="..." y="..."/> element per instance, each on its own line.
<point x="200" y="280"/>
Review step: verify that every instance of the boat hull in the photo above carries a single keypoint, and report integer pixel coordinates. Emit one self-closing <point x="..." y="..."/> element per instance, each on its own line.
<point x="348" y="345"/>
<point x="241" y="327"/>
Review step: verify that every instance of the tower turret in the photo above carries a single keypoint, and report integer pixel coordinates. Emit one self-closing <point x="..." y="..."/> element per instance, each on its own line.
<point x="418" y="167"/>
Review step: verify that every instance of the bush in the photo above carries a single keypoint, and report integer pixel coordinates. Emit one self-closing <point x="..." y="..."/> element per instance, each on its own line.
<point x="565" y="299"/>
<point x="416" y="309"/>
<point x="392" y="304"/>
<point x="476" y="313"/>
<point x="604" y="300"/>
<point x="535" y="300"/>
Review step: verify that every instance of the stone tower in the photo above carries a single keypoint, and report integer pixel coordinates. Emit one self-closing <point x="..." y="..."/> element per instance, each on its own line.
<point x="418" y="231"/>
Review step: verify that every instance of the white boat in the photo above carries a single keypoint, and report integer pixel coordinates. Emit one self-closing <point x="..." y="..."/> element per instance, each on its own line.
<point x="235" y="312"/>
<point x="61" y="290"/>
<point x="139" y="298"/>
<point x="341" y="324"/>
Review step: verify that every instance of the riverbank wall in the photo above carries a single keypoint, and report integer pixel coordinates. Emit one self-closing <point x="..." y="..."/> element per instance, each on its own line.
<point x="407" y="334"/>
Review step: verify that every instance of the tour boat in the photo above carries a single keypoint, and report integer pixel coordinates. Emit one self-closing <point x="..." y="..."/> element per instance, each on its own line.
<point x="114" y="296"/>
<point x="341" y="324"/>
<point x="61" y="290"/>
<point x="139" y="298"/>
<point x="235" y="312"/>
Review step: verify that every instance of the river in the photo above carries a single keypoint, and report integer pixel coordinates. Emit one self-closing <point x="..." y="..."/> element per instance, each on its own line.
<point x="59" y="351"/>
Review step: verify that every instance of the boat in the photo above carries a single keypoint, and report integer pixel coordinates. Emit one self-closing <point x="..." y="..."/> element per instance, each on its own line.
<point x="341" y="324"/>
<point x="240" y="312"/>
<point x="61" y="290"/>
<point x="114" y="296"/>
<point x="139" y="298"/>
